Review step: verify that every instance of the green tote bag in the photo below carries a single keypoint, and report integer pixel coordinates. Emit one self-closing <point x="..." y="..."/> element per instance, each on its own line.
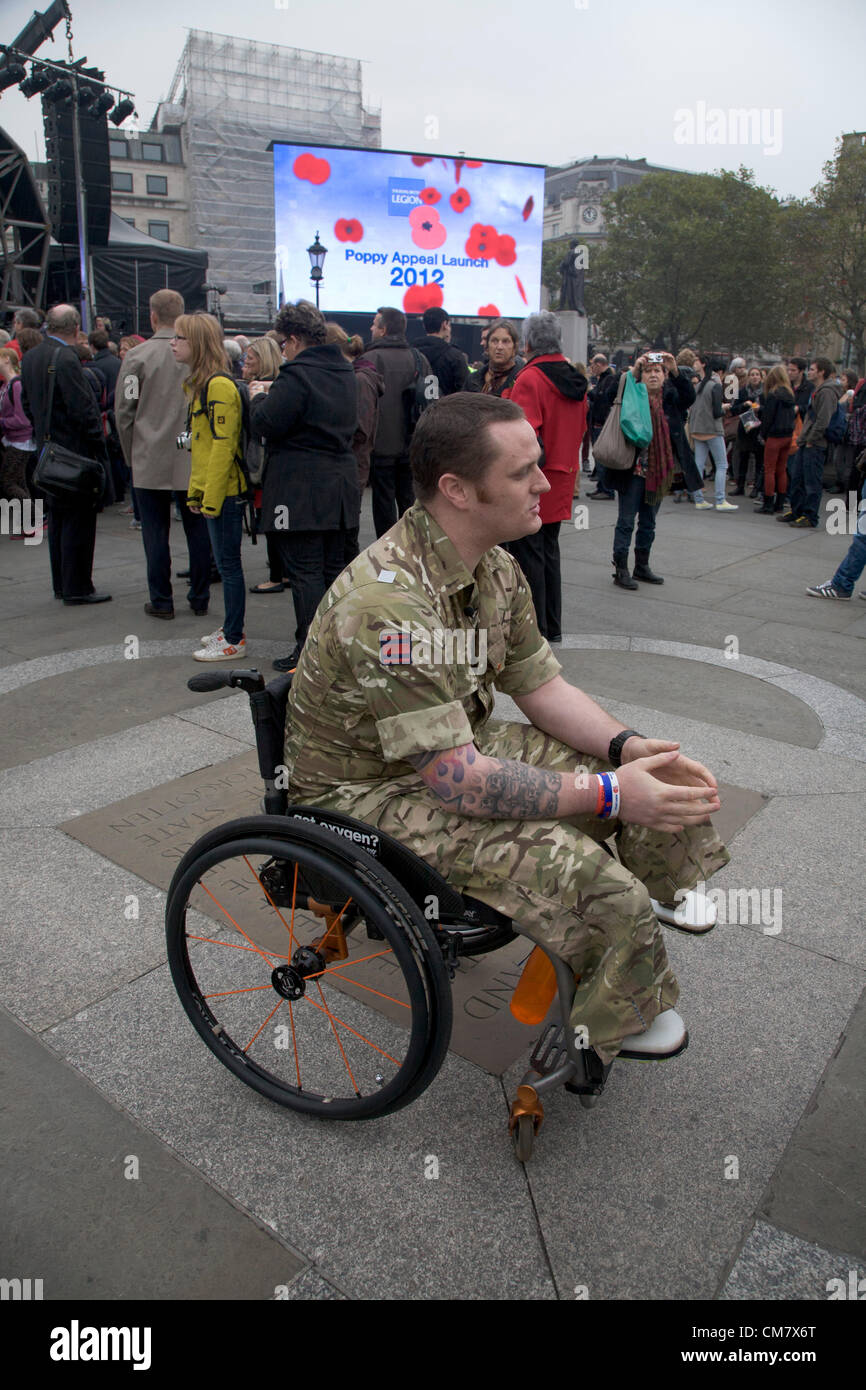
<point x="635" y="420"/>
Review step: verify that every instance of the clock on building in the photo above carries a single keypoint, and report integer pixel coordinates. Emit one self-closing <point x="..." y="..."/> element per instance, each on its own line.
<point x="589" y="214"/>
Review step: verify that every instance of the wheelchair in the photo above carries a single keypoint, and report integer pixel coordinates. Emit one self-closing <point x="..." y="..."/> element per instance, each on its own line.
<point x="313" y="953"/>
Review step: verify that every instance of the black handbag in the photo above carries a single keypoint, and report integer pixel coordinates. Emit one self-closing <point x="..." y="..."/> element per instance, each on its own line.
<point x="61" y="473"/>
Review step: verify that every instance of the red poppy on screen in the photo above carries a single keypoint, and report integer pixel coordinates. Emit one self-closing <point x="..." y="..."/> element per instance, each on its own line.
<point x="489" y="311"/>
<point x="505" y="253"/>
<point x="348" y="229"/>
<point x="521" y="289"/>
<point x="419" y="159"/>
<point x="427" y="230"/>
<point x="430" y="196"/>
<point x="528" y="206"/>
<point x="474" y="164"/>
<point x="309" y="166"/>
<point x="421" y="297"/>
<point x="460" y="200"/>
<point x="482" y="242"/>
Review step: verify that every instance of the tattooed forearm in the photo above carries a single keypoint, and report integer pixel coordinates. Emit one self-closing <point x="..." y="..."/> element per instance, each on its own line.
<point x="495" y="788"/>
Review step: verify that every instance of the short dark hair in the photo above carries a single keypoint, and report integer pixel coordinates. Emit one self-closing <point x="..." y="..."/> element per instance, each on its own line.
<point x="433" y="319"/>
<point x="452" y="436"/>
<point x="799" y="362"/>
<point x="98" y="339"/>
<point x="851" y="377"/>
<point x="825" y="365"/>
<point x="303" y="321"/>
<point x="393" y="322"/>
<point x="28" y="338"/>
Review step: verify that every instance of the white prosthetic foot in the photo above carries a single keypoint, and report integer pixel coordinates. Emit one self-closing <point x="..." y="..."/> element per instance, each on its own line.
<point x="693" y="913"/>
<point x="666" y="1036"/>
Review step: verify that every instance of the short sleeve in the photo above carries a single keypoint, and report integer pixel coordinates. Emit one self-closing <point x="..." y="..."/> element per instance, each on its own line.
<point x="529" y="662"/>
<point x="410" y="691"/>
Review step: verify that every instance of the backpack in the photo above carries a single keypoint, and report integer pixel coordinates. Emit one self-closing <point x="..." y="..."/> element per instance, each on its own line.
<point x="245" y="451"/>
<point x="421" y="392"/>
<point x="837" y="427"/>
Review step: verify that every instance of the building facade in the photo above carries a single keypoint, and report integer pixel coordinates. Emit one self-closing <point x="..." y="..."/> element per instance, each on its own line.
<point x="149" y="187"/>
<point x="229" y="99"/>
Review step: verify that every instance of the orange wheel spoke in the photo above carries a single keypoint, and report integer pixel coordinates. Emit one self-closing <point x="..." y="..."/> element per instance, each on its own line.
<point x="344" y="964"/>
<point x="335" y="1019"/>
<point x="264" y="1025"/>
<point x="271" y="901"/>
<point x="337" y="1036"/>
<point x="233" y="922"/>
<point x="233" y="945"/>
<point x="247" y="989"/>
<point x="357" y="985"/>
<point x="295" y="1042"/>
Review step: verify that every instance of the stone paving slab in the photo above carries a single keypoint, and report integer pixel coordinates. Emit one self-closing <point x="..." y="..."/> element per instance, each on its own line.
<point x="67" y="941"/>
<point x="632" y="1195"/>
<point x="49" y="790"/>
<point x="819" y="1188"/>
<point x="353" y="1197"/>
<point x="774" y="1265"/>
<point x="103" y="1210"/>
<point x="665" y="682"/>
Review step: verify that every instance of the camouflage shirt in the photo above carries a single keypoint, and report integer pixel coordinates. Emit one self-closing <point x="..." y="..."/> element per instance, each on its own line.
<point x="402" y="657"/>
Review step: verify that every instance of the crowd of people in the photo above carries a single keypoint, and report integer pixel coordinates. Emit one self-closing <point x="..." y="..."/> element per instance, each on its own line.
<point x="280" y="435"/>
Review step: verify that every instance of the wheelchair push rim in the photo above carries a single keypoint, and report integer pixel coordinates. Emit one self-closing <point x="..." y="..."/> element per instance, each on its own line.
<point x="308" y="971"/>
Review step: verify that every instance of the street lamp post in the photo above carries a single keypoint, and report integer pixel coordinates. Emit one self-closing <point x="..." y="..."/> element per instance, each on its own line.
<point x="317" y="253"/>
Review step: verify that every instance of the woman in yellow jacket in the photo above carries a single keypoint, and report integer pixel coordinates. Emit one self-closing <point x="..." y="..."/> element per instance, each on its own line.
<point x="216" y="483"/>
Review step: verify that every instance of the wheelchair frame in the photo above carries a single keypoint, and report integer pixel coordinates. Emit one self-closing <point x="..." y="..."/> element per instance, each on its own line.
<point x="390" y="889"/>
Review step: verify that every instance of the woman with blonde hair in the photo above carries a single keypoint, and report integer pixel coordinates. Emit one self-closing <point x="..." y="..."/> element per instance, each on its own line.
<point x="777" y="432"/>
<point x="262" y="362"/>
<point x="217" y="484"/>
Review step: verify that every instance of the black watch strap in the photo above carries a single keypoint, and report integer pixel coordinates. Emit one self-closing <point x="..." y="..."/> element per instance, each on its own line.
<point x="614" y="752"/>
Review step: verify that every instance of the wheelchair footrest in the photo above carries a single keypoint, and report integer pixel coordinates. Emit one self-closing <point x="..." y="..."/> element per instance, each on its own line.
<point x="595" y="1073"/>
<point x="549" y="1051"/>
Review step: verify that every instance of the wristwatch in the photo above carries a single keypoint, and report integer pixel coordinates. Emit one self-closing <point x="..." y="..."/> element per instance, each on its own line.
<point x="614" y="752"/>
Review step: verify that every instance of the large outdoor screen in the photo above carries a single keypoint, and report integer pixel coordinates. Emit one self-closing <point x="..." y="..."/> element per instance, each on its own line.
<point x="409" y="230"/>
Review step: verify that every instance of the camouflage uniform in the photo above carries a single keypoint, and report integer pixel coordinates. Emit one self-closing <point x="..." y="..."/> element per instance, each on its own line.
<point x="374" y="686"/>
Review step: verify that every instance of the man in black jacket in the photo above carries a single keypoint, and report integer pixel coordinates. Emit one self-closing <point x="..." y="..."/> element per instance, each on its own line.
<point x="310" y="495"/>
<point x="395" y="361"/>
<point x="449" y="364"/>
<point x="77" y="425"/>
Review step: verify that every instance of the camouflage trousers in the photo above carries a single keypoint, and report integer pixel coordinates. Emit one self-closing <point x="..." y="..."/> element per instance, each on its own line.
<point x="552" y="877"/>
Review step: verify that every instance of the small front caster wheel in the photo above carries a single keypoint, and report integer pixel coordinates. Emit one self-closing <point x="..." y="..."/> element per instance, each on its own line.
<point x="523" y="1135"/>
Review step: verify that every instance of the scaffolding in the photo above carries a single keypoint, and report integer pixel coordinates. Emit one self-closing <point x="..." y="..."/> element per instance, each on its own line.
<point x="231" y="98"/>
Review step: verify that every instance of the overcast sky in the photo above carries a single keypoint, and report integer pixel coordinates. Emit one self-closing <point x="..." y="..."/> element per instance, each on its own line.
<point x="538" y="83"/>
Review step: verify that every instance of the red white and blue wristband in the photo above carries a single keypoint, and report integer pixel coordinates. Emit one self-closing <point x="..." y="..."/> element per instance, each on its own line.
<point x="607" y="806"/>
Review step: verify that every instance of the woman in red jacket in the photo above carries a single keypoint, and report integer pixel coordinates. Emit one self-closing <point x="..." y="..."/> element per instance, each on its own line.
<point x="552" y="395"/>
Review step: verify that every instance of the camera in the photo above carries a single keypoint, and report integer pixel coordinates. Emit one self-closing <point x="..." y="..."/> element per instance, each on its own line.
<point x="184" y="441"/>
<point x="655" y="357"/>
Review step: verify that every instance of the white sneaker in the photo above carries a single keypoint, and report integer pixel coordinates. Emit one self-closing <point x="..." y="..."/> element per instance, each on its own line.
<point x="693" y="913"/>
<point x="703" y="506"/>
<point x="210" y="637"/>
<point x="667" y="1036"/>
<point x="726" y="506"/>
<point x="221" y="650"/>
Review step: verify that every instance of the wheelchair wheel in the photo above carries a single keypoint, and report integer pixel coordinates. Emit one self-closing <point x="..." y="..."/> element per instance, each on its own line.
<point x="306" y="969"/>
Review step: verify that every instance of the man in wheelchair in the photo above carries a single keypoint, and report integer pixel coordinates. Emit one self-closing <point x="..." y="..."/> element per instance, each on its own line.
<point x="389" y="721"/>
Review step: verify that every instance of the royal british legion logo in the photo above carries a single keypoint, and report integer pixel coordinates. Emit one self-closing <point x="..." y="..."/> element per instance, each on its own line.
<point x="395" y="648"/>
